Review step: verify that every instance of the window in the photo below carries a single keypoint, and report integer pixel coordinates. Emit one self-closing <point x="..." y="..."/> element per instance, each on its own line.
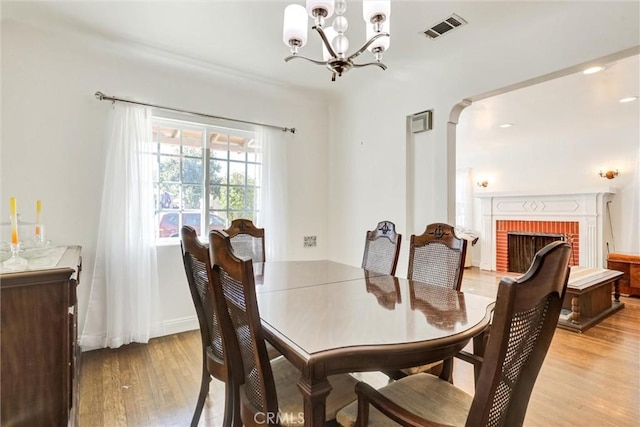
<point x="205" y="176"/>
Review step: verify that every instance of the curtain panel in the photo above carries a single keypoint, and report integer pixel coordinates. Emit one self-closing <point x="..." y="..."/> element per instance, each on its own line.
<point x="274" y="195"/>
<point x="123" y="300"/>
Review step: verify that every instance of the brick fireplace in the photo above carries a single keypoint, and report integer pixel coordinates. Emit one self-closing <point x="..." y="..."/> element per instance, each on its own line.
<point x="579" y="216"/>
<point x="570" y="230"/>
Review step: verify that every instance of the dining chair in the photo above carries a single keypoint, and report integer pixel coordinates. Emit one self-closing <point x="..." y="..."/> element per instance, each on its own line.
<point x="524" y="320"/>
<point x="197" y="265"/>
<point x="381" y="249"/>
<point x="247" y="240"/>
<point x="268" y="390"/>
<point x="436" y="257"/>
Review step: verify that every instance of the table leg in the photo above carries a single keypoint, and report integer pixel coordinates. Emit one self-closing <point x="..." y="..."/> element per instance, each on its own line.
<point x="575" y="310"/>
<point x="479" y="345"/>
<point x="616" y="290"/>
<point x="314" y="394"/>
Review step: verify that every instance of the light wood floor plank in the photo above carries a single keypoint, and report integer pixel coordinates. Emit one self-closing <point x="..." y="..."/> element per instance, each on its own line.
<point x="588" y="379"/>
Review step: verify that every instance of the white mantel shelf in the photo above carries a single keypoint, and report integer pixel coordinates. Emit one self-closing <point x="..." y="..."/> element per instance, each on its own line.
<point x="598" y="190"/>
<point x="586" y="206"/>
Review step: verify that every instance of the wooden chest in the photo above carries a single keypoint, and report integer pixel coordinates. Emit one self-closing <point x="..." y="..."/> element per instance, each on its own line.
<point x="630" y="265"/>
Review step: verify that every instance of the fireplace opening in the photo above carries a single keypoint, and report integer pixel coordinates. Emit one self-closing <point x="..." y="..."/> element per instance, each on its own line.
<point x="522" y="247"/>
<point x="567" y="230"/>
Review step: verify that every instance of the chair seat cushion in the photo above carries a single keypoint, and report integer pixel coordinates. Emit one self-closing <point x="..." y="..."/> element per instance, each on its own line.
<point x="424" y="395"/>
<point x="290" y="400"/>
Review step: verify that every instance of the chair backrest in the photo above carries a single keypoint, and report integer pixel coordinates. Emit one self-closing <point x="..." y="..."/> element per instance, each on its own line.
<point x="247" y="240"/>
<point x="381" y="249"/>
<point x="524" y="321"/>
<point x="234" y="288"/>
<point x="437" y="256"/>
<point x="197" y="265"/>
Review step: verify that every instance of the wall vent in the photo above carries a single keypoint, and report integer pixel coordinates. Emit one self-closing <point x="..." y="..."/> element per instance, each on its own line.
<point x="444" y="26"/>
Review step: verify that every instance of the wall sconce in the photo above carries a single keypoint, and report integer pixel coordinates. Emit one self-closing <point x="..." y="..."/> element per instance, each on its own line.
<point x="483" y="183"/>
<point x="609" y="174"/>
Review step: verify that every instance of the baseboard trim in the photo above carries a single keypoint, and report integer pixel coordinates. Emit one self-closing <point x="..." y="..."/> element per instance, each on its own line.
<point x="175" y="326"/>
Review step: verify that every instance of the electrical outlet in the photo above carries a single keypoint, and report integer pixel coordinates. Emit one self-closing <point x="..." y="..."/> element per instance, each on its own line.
<point x="309" y="241"/>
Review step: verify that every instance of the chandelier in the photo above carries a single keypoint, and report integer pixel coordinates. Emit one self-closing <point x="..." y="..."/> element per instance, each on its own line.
<point x="335" y="43"/>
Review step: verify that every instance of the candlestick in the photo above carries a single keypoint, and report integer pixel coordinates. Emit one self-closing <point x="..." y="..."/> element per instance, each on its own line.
<point x="14" y="220"/>
<point x="38" y="217"/>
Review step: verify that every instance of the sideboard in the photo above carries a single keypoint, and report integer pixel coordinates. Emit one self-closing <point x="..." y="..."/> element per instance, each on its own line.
<point x="629" y="265"/>
<point x="39" y="345"/>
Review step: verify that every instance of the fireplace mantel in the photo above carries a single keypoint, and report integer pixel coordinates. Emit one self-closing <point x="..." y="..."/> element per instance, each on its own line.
<point x="585" y="207"/>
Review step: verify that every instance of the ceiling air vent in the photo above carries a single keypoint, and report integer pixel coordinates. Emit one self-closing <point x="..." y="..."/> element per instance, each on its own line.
<point x="442" y="27"/>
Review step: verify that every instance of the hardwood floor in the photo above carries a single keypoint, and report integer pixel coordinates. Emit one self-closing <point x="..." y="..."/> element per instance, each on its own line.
<point x="588" y="379"/>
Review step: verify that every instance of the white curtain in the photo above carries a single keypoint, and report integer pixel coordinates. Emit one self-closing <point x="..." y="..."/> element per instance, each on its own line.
<point x="123" y="301"/>
<point x="633" y="244"/>
<point x="464" y="199"/>
<point x="273" y="202"/>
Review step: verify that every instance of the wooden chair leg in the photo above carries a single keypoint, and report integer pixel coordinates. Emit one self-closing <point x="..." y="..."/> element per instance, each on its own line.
<point x="447" y="370"/>
<point x="204" y="391"/>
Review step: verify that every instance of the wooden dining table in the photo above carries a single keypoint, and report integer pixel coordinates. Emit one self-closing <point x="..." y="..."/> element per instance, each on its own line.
<point x="328" y="318"/>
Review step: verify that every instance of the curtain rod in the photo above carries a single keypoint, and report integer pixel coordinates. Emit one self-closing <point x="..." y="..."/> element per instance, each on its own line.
<point x="102" y="97"/>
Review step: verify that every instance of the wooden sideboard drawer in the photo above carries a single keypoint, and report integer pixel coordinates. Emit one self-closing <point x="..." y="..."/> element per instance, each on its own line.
<point x="629" y="264"/>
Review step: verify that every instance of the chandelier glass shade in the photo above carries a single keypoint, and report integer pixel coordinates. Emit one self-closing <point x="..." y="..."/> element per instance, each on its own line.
<point x="335" y="44"/>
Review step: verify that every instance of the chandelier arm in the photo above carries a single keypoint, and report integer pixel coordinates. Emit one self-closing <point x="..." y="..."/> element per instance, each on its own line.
<point x="290" y="57"/>
<point x="379" y="64"/>
<point x="325" y="40"/>
<point x="366" y="45"/>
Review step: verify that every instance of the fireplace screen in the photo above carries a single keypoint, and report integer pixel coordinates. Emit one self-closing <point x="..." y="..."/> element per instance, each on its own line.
<point x="523" y="246"/>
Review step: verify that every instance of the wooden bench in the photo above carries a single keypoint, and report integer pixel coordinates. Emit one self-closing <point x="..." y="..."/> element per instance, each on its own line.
<point x="588" y="297"/>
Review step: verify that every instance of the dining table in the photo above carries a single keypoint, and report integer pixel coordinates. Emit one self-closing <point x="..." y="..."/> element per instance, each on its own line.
<point x="329" y="318"/>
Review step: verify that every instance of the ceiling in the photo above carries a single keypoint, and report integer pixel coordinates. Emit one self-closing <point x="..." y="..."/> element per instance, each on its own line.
<point x="245" y="37"/>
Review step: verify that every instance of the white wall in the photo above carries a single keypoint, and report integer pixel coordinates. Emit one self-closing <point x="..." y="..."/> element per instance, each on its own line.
<point x="376" y="112"/>
<point x="53" y="148"/>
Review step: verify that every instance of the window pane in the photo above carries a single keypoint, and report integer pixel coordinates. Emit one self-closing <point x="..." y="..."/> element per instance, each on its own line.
<point x="218" y="172"/>
<point x="192" y="170"/>
<point x="192" y="196"/>
<point x="236" y="173"/>
<point x="218" y="197"/>
<point x="168" y="225"/>
<point x="250" y="198"/>
<point x="169" y="196"/>
<point x="216" y="221"/>
<point x="236" y="198"/>
<point x="169" y="168"/>
<point x="242" y="214"/>
<point x="192" y="142"/>
<point x="169" y="140"/>
<point x="218" y="146"/>
<point x="237" y="148"/>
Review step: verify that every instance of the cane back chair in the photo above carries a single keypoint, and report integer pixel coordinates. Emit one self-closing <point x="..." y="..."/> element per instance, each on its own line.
<point x="524" y="321"/>
<point x="197" y="265"/>
<point x="247" y="240"/>
<point x="436" y="257"/>
<point x="268" y="391"/>
<point x="381" y="249"/>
